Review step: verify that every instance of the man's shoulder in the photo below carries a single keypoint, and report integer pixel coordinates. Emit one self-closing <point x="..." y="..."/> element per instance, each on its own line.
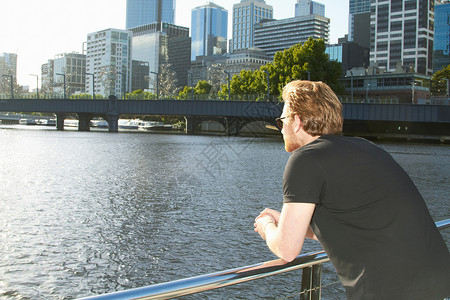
<point x="329" y="142"/>
<point x="334" y="146"/>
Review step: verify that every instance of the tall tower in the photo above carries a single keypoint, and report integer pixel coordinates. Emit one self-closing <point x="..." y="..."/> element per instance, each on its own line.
<point x="143" y="12"/>
<point x="402" y="32"/>
<point x="309" y="7"/>
<point x="208" y="30"/>
<point x="245" y="15"/>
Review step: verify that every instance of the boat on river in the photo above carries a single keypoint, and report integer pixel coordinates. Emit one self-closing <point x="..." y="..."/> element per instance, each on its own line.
<point x="99" y="123"/>
<point x="154" y="125"/>
<point x="129" y="123"/>
<point x="27" y="121"/>
<point x="71" y="123"/>
<point x="46" y="122"/>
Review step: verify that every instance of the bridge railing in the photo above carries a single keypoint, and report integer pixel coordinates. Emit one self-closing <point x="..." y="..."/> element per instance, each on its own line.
<point x="240" y="97"/>
<point x="311" y="285"/>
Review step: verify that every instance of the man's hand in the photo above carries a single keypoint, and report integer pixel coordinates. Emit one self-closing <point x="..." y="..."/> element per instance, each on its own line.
<point x="271" y="212"/>
<point x="261" y="223"/>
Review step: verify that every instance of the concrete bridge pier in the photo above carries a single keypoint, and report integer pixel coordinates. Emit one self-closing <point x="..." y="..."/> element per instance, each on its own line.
<point x="233" y="125"/>
<point x="113" y="122"/>
<point x="84" y="122"/>
<point x="191" y="123"/>
<point x="60" y="121"/>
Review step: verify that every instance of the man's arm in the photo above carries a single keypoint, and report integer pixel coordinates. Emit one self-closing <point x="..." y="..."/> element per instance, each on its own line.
<point x="286" y="238"/>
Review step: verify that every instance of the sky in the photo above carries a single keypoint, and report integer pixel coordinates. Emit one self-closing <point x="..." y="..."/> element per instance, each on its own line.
<point x="37" y="30"/>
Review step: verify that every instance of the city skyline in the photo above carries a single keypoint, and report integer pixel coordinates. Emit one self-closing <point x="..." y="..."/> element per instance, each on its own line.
<point x="37" y="31"/>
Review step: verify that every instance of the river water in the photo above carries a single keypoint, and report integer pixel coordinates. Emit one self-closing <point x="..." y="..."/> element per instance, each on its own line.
<point x="85" y="213"/>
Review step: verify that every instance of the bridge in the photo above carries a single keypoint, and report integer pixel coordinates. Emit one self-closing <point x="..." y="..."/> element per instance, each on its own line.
<point x="432" y="121"/>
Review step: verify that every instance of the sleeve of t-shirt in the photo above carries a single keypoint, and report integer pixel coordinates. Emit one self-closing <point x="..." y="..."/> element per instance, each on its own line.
<point x="303" y="180"/>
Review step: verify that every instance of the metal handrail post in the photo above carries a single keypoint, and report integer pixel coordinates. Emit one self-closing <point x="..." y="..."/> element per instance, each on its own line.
<point x="311" y="287"/>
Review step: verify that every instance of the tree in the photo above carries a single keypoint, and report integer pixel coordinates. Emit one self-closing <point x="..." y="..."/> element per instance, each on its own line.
<point x="202" y="87"/>
<point x="295" y="63"/>
<point x="216" y="78"/>
<point x="167" y="81"/>
<point x="108" y="79"/>
<point x="141" y="95"/>
<point x="290" y="64"/>
<point x="185" y="93"/>
<point x="439" y="82"/>
<point x="6" y="85"/>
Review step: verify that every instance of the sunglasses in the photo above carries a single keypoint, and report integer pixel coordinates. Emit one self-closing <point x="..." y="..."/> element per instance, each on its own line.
<point x="279" y="122"/>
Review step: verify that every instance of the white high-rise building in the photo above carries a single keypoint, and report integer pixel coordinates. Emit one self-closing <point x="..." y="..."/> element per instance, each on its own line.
<point x="402" y="32"/>
<point x="309" y="7"/>
<point x="246" y="14"/>
<point x="108" y="57"/>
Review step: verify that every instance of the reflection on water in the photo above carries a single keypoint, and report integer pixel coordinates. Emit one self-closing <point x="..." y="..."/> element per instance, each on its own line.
<point x="92" y="212"/>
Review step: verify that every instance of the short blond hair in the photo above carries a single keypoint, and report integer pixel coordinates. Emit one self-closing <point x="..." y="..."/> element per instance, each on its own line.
<point x="317" y="106"/>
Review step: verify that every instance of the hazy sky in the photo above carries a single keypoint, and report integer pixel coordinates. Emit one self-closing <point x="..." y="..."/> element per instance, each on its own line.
<point x="37" y="30"/>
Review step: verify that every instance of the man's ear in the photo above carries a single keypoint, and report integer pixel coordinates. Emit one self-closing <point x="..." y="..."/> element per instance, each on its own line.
<point x="297" y="123"/>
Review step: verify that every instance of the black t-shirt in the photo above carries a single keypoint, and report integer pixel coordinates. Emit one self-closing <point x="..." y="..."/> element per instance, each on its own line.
<point x="370" y="219"/>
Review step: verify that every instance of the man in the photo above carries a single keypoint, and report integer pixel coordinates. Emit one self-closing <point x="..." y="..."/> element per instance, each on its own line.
<point x="357" y="201"/>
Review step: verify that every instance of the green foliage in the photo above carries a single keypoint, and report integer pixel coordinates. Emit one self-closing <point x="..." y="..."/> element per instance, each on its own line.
<point x="140" y="95"/>
<point x="202" y="87"/>
<point x="185" y="93"/>
<point x="84" y="96"/>
<point x="290" y="64"/>
<point x="201" y="91"/>
<point x="439" y="83"/>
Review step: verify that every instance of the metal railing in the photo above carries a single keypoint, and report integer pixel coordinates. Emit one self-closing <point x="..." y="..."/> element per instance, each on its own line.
<point x="310" y="289"/>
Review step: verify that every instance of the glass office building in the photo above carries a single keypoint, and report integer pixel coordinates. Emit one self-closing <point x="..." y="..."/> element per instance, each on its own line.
<point x="308" y="7"/>
<point x="441" y="46"/>
<point x="161" y="44"/>
<point x="143" y="12"/>
<point x="209" y="30"/>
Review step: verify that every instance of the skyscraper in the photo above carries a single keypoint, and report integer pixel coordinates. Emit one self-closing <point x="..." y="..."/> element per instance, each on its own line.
<point x="359" y="11"/>
<point x="308" y="7"/>
<point x="441" y="50"/>
<point x="143" y="12"/>
<point x="208" y="30"/>
<point x="402" y="32"/>
<point x="245" y="15"/>
<point x="161" y="45"/>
